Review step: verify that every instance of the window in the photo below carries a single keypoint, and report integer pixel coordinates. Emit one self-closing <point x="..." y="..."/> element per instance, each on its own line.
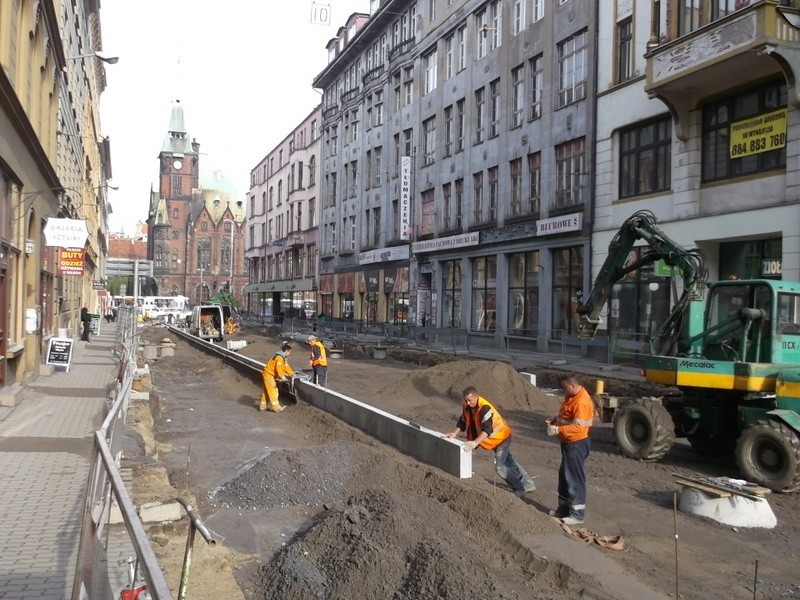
<point x="377" y="156"/>
<point x="645" y="158"/>
<point x="449" y="55"/>
<point x="377" y="112"/>
<point x="535" y="181"/>
<point x="451" y="293"/>
<point x="431" y="10"/>
<point x="426" y="225"/>
<point x="567" y="281"/>
<point x="408" y="87"/>
<point x="480" y="118"/>
<point x="484" y="293"/>
<point x="517" y="96"/>
<point x="751" y="155"/>
<point x="482" y="27"/>
<point x="175" y="213"/>
<point x="523" y="293"/>
<point x="461" y="48"/>
<point x="493" y="193"/>
<point x="477" y="198"/>
<point x="495" y="24"/>
<point x="408" y="139"/>
<point x="570" y="171"/>
<point x="312" y="171"/>
<point x="175" y="185"/>
<point x="429" y="79"/>
<point x="353" y="233"/>
<point x="376" y="223"/>
<point x="429" y="147"/>
<point x="312" y="213"/>
<point x="537" y="85"/>
<point x="494" y="108"/>
<point x="445" y="222"/>
<point x="537" y="10"/>
<point x="693" y="15"/>
<point x="459" y="220"/>
<point x="518" y="16"/>
<point x="203" y="226"/>
<point x="398" y="91"/>
<point x="572" y="69"/>
<point x="353" y="179"/>
<point x="625" y="50"/>
<point x="460" y="125"/>
<point x="448" y="130"/>
<point x="515" y="168"/>
<point x="333" y="146"/>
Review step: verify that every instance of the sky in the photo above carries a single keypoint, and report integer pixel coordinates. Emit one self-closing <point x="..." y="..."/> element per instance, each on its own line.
<point x="242" y="70"/>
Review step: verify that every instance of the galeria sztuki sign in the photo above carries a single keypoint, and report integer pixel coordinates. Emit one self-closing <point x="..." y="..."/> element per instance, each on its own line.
<point x="69" y="235"/>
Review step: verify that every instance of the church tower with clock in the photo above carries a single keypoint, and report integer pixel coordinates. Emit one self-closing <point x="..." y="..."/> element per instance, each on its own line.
<point x="195" y="222"/>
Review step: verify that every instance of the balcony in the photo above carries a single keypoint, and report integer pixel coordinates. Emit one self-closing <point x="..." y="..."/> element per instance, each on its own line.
<point x="751" y="43"/>
<point x="294" y="240"/>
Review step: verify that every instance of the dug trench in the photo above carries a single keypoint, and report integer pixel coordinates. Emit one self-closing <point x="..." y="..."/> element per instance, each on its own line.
<point x="306" y="507"/>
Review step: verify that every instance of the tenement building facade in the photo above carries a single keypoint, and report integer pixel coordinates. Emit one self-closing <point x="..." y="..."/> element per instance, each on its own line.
<point x="282" y="213"/>
<point x="697" y="122"/>
<point x="457" y="186"/>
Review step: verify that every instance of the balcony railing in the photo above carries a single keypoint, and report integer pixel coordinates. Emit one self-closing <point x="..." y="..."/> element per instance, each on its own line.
<point x="401" y="49"/>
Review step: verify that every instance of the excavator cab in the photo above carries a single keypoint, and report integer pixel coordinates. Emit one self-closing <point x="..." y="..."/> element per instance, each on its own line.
<point x="738" y="324"/>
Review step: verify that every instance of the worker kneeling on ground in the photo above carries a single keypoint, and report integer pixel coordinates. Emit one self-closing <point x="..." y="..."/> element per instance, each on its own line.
<point x="318" y="361"/>
<point x="231" y="326"/>
<point x="277" y="369"/>
<point x="485" y="427"/>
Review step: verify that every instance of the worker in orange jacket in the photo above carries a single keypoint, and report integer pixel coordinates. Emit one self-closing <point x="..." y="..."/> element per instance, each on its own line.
<point x="318" y="361"/>
<point x="571" y="425"/>
<point x="277" y="369"/>
<point x="485" y="427"/>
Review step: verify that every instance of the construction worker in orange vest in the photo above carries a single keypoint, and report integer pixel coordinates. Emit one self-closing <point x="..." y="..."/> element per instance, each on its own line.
<point x="318" y="361"/>
<point x="277" y="369"/>
<point x="571" y="425"/>
<point x="485" y="427"/>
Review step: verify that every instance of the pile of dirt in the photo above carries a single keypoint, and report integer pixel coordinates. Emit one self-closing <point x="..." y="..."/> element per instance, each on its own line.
<point x="495" y="381"/>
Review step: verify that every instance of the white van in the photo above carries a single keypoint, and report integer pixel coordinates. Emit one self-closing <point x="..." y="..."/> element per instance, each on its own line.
<point x="208" y="322"/>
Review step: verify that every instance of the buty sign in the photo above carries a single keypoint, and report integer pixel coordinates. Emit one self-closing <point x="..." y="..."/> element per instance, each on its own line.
<point x="70" y="261"/>
<point x="66" y="233"/>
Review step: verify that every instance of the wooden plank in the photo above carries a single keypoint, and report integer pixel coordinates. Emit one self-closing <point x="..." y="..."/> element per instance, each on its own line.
<point x="711" y="484"/>
<point x="705" y="488"/>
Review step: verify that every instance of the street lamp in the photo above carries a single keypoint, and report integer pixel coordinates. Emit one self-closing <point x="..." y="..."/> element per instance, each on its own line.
<point x="111" y="60"/>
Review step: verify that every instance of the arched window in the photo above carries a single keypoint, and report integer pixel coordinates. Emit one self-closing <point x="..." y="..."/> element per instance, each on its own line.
<point x="203" y="226"/>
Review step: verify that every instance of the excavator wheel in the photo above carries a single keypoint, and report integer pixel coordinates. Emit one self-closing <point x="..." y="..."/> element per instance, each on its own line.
<point x="644" y="430"/>
<point x="768" y="453"/>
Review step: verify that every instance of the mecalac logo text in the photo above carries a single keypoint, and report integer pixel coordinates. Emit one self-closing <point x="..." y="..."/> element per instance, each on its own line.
<point x="697" y="364"/>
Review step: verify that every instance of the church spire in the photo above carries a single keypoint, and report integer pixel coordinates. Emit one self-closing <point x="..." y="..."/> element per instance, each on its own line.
<point x="177" y="140"/>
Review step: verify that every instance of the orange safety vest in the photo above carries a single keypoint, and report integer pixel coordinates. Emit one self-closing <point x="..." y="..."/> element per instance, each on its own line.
<point x="322" y="359"/>
<point x="575" y="417"/>
<point x="278" y="367"/>
<point x="474" y="424"/>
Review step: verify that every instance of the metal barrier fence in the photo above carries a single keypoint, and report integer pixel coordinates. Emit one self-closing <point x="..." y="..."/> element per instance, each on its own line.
<point x="106" y="487"/>
<point x="619" y="348"/>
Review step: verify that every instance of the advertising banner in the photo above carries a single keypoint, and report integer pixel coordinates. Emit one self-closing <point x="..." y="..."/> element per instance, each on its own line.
<point x="761" y="133"/>
<point x="405" y="197"/>
<point x="70" y="261"/>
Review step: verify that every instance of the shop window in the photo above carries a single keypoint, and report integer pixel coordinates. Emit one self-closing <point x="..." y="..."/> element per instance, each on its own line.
<point x="567" y="281"/>
<point x="451" y="294"/>
<point x="484" y="293"/>
<point x="523" y="294"/>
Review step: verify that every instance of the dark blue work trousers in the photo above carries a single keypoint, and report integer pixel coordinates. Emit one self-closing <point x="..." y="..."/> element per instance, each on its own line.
<point x="572" y="479"/>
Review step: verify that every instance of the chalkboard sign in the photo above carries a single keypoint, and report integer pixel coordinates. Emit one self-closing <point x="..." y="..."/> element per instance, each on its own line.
<point x="59" y="352"/>
<point x="94" y="324"/>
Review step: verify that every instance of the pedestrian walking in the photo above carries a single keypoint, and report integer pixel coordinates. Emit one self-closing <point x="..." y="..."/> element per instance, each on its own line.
<point x="318" y="361"/>
<point x="484" y="427"/>
<point x="86" y="321"/>
<point x="571" y="425"/>
<point x="277" y="369"/>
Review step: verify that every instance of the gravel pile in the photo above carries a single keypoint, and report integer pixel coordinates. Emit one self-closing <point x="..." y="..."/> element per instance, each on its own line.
<point x="305" y="477"/>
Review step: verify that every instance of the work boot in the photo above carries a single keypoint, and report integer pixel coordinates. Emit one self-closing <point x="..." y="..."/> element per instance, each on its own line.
<point x="262" y="407"/>
<point x="529" y="486"/>
<point x="558" y="513"/>
<point x="277" y="409"/>
<point x="571" y="521"/>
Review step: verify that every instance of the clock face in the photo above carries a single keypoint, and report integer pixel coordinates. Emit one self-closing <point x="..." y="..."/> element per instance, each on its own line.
<point x="177" y="164"/>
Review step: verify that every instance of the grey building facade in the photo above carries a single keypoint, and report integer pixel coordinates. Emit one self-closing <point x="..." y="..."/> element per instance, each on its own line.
<point x="457" y="156"/>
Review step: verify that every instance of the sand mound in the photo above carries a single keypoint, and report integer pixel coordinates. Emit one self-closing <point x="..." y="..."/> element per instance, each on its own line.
<point x="496" y="381"/>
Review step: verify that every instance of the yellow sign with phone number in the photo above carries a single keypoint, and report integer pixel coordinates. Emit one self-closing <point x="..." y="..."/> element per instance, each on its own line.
<point x="761" y="133"/>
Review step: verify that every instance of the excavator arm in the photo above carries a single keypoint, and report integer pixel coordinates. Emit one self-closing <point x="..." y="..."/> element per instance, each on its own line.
<point x="692" y="263"/>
